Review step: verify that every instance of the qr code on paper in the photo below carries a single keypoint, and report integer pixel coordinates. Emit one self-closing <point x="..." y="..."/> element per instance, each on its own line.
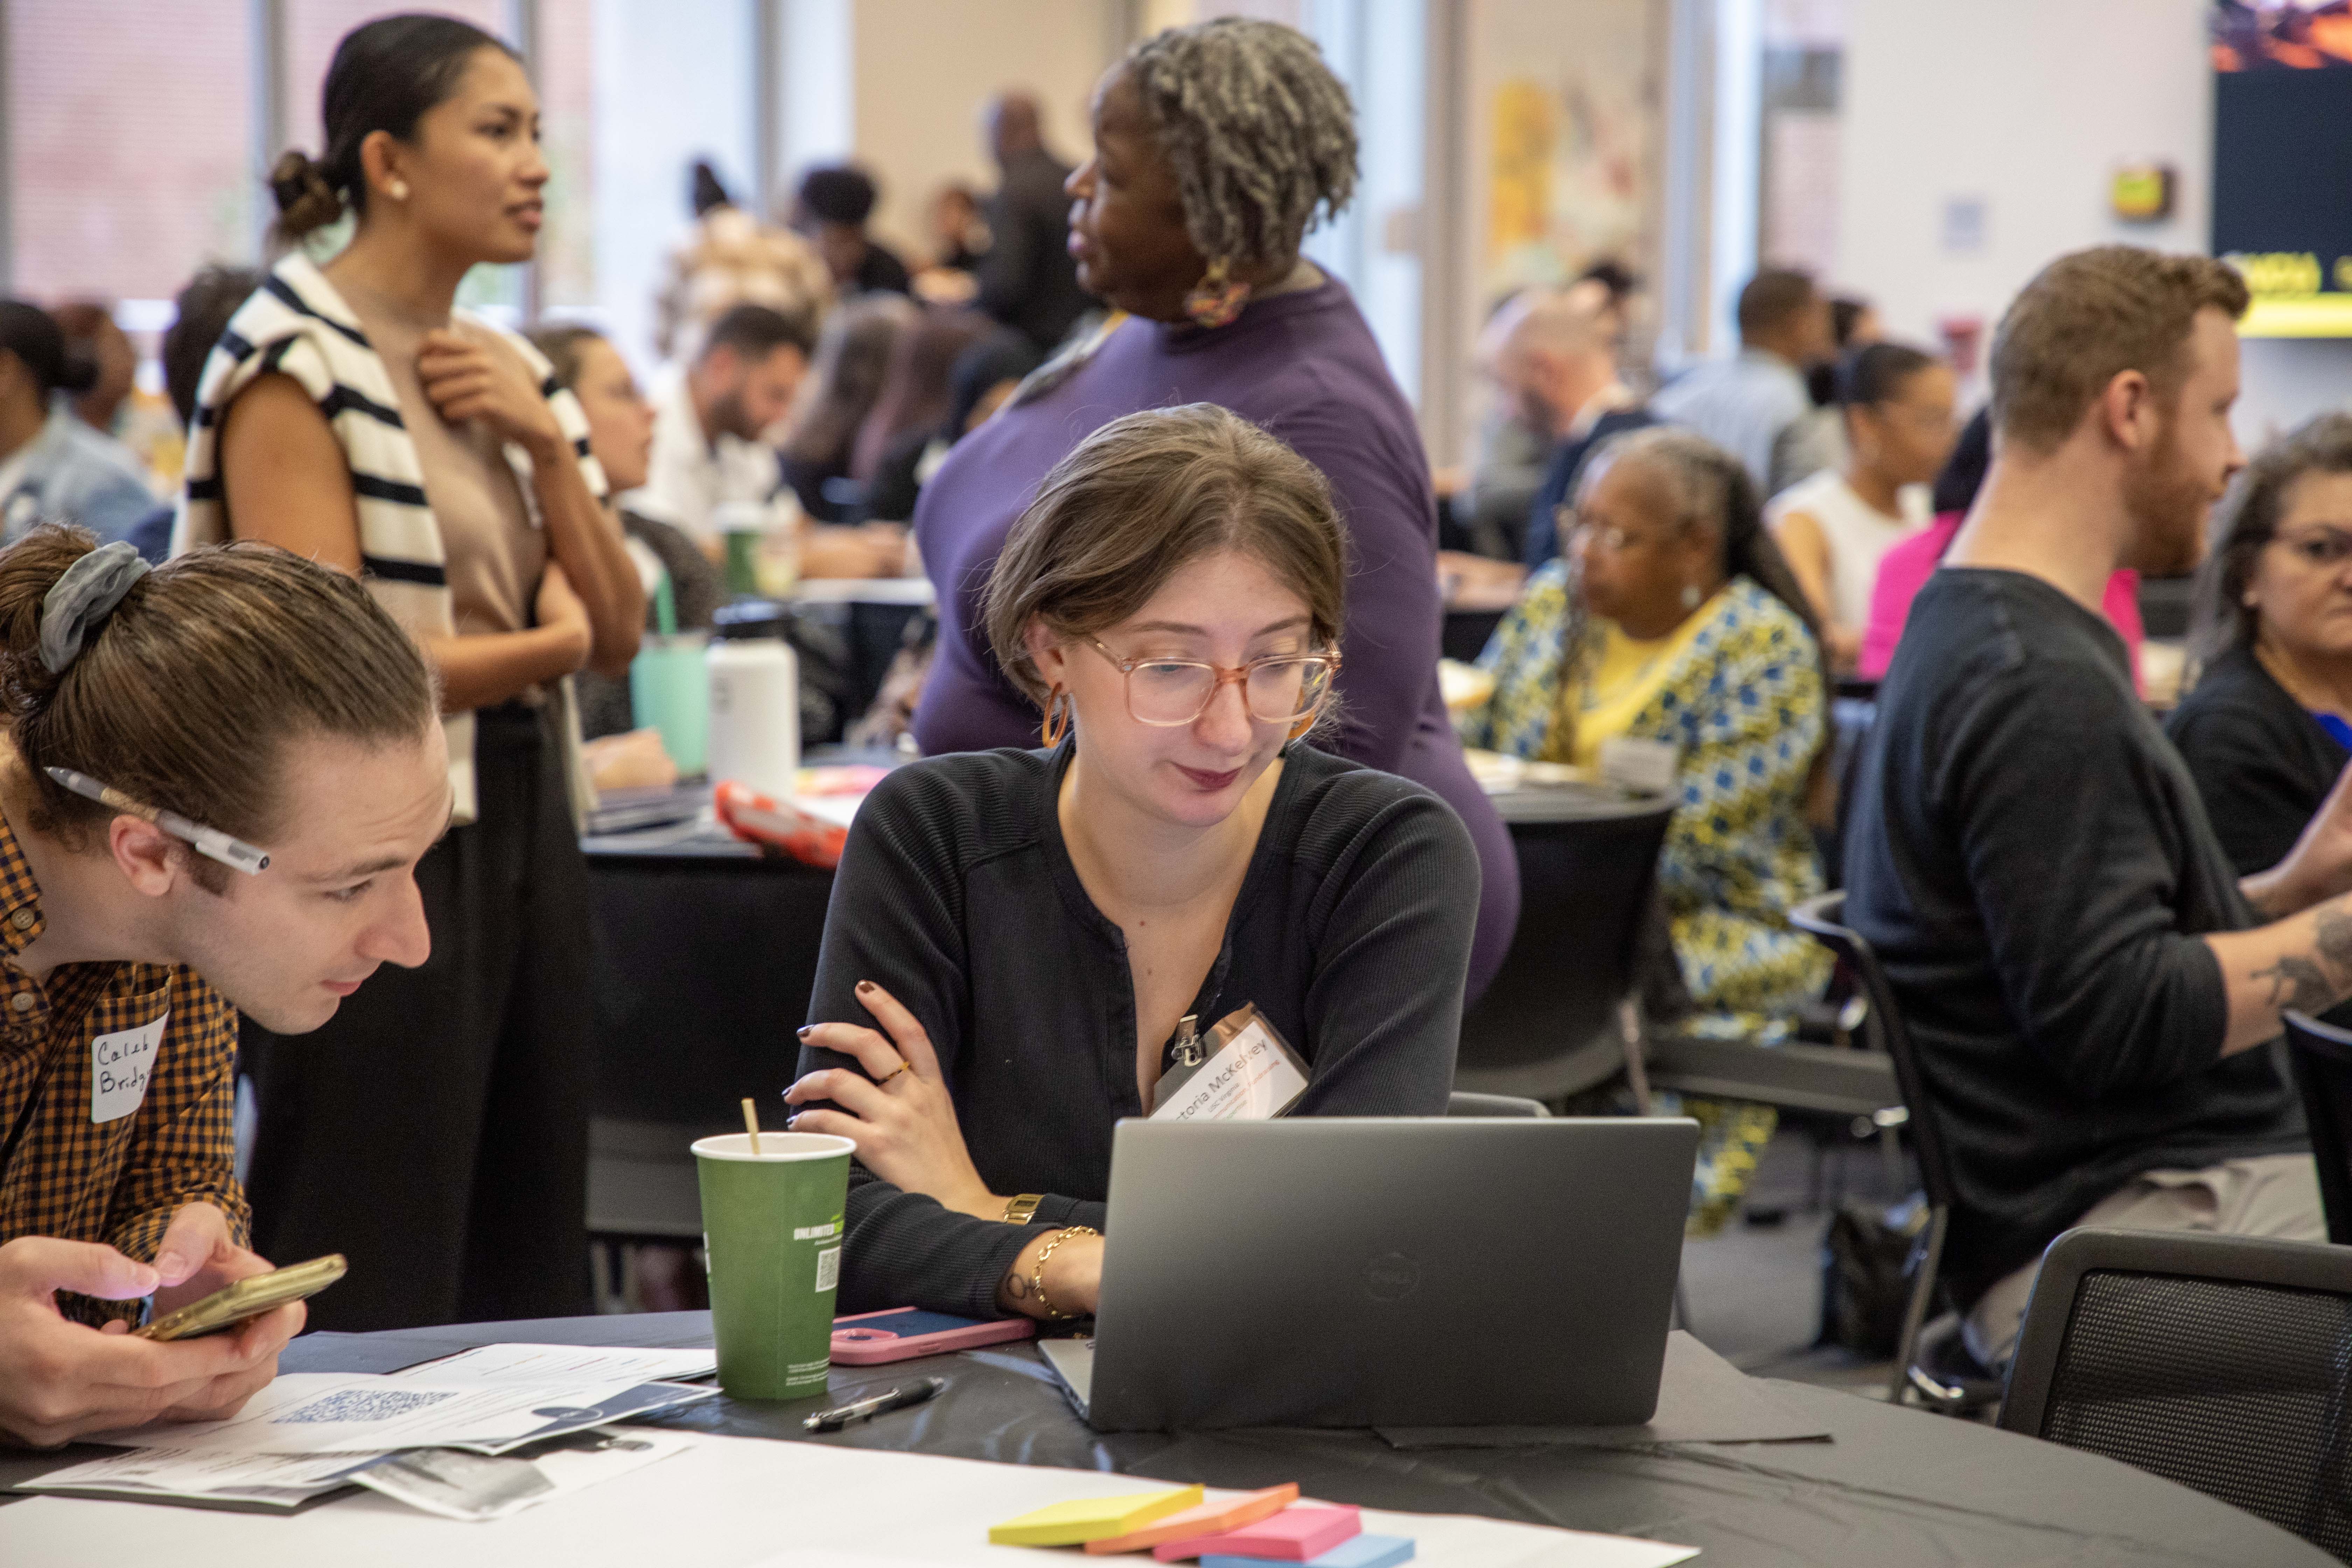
<point x="828" y="1268"/>
<point x="362" y="1405"/>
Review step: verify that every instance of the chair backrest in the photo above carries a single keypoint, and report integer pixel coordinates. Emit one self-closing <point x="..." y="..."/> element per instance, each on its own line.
<point x="1584" y="886"/>
<point x="1820" y="919"/>
<point x="2220" y="1362"/>
<point x="1853" y="713"/>
<point x="2322" y="1054"/>
<point x="1460" y="1103"/>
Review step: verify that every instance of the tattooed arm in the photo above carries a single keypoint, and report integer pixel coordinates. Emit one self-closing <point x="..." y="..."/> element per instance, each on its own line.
<point x="2303" y="963"/>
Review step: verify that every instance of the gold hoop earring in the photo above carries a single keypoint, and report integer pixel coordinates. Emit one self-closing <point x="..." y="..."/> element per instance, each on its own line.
<point x="1215" y="300"/>
<point x="1057" y="717"/>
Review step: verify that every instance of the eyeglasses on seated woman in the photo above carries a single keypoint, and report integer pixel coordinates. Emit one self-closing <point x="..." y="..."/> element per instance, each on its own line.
<point x="1018" y="939"/>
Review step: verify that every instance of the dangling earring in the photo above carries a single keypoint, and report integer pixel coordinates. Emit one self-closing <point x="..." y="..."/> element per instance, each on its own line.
<point x="1215" y="299"/>
<point x="1057" y="717"/>
<point x="1690" y="596"/>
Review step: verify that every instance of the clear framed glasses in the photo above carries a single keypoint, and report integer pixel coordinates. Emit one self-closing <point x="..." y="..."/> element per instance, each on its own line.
<point x="1167" y="692"/>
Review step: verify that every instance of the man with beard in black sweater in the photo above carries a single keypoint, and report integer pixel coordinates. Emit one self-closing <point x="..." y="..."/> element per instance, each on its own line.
<point x="2094" y="992"/>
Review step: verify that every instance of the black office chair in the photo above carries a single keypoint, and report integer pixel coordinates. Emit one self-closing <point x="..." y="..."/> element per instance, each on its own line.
<point x="1548" y="1025"/>
<point x="2322" y="1054"/>
<point x="1819" y="919"/>
<point x="2220" y="1362"/>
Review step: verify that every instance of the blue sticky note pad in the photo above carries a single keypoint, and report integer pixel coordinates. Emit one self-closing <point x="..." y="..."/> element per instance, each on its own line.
<point x="1356" y="1552"/>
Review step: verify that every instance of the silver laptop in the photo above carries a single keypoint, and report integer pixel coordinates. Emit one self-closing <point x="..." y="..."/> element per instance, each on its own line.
<point x="1330" y="1271"/>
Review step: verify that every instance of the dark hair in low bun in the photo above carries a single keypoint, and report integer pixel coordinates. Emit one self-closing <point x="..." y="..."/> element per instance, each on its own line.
<point x="385" y="77"/>
<point x="305" y="200"/>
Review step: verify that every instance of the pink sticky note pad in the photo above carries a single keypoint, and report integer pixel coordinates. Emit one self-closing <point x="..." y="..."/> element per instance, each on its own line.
<point x="1294" y="1535"/>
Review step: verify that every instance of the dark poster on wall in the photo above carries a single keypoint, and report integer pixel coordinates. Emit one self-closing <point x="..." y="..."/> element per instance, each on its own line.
<point x="2282" y="161"/>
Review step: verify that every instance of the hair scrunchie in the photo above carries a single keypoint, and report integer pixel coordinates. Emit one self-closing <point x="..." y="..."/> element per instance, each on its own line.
<point x="83" y="597"/>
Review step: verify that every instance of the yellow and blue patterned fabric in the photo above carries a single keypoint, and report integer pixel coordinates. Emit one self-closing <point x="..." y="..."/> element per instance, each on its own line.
<point x="1743" y="706"/>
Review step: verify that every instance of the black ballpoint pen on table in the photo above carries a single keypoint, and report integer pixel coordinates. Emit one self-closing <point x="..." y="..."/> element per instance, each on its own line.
<point x="899" y="1398"/>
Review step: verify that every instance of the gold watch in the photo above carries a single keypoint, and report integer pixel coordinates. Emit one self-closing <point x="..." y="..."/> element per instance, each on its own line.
<point x="1021" y="1210"/>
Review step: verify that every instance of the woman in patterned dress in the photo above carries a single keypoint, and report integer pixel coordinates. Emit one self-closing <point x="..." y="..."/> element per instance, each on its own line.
<point x="1671" y="619"/>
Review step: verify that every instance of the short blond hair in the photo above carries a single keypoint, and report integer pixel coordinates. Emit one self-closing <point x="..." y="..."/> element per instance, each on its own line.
<point x="2088" y="317"/>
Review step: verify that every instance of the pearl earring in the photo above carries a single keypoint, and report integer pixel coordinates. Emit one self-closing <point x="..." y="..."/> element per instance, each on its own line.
<point x="1690" y="596"/>
<point x="399" y="189"/>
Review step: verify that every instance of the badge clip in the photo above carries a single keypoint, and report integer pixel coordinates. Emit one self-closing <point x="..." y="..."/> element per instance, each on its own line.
<point x="1188" y="1052"/>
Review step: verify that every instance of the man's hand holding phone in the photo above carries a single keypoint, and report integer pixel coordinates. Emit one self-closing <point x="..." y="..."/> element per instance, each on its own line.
<point x="59" y="1378"/>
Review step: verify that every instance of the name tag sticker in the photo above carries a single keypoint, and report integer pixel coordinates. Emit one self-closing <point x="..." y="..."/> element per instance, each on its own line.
<point x="119" y="1067"/>
<point x="1648" y="767"/>
<point x="1253" y="1076"/>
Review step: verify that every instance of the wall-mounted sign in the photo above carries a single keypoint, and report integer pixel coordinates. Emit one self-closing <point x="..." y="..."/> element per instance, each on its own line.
<point x="2281" y="163"/>
<point x="2141" y="192"/>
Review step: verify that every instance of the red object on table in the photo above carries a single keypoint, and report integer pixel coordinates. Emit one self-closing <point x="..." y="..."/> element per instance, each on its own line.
<point x="1294" y="1535"/>
<point x="778" y="825"/>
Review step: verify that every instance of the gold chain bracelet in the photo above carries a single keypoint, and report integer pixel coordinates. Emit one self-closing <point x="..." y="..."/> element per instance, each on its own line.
<point x="1037" y="1274"/>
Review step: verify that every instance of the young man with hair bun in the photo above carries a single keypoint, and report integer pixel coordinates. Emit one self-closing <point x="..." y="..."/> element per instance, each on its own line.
<point x="255" y="695"/>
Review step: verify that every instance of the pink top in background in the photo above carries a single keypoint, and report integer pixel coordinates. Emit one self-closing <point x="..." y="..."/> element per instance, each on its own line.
<point x="1903" y="570"/>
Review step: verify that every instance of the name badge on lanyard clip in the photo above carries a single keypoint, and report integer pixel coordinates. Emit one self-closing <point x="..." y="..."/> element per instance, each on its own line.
<point x="1243" y="1071"/>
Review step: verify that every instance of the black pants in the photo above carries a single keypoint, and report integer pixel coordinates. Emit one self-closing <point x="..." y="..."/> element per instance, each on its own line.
<point x="436" y="1130"/>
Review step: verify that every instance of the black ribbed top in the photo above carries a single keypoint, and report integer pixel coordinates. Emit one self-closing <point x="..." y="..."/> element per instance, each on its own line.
<point x="1351" y="934"/>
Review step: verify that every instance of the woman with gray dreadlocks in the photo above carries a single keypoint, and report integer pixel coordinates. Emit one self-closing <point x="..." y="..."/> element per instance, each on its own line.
<point x="1216" y="148"/>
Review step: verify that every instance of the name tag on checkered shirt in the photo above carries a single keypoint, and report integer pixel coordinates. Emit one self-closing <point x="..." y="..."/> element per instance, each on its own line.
<point x="119" y="1067"/>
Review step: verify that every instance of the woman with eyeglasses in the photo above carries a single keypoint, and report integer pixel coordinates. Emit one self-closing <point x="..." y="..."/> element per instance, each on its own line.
<point x="1019" y="940"/>
<point x="1673" y="622"/>
<point x="2268" y="727"/>
<point x="1834" y="527"/>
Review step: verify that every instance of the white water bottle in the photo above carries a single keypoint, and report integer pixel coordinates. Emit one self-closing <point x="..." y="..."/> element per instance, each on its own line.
<point x="755" y="714"/>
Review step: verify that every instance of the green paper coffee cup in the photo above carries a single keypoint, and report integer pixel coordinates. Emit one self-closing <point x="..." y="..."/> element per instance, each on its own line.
<point x="771" y="1227"/>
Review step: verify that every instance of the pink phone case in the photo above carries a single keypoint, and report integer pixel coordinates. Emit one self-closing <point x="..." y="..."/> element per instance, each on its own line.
<point x="854" y="1346"/>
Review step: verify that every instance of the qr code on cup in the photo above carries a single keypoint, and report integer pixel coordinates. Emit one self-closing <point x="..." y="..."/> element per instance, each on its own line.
<point x="828" y="1268"/>
<point x="361" y="1404"/>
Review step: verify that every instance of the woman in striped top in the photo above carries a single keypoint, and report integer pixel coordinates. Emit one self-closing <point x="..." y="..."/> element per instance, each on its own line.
<point x="436" y="1133"/>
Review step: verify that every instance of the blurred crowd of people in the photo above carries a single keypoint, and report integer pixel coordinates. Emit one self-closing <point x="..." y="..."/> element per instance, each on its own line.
<point x="810" y="377"/>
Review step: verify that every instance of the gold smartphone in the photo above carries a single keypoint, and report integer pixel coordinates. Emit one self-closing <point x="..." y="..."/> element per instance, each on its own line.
<point x="232" y="1305"/>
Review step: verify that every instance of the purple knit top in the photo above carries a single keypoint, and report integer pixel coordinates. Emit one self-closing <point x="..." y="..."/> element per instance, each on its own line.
<point x="1304" y="366"/>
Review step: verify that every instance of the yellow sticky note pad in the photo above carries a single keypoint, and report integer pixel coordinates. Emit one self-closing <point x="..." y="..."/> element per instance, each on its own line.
<point x="1091" y="1518"/>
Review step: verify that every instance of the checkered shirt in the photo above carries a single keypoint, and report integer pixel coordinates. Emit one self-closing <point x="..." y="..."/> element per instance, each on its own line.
<point x="120" y="1181"/>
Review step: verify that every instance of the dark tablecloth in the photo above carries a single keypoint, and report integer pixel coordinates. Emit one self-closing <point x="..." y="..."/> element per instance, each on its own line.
<point x="1892" y="1487"/>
